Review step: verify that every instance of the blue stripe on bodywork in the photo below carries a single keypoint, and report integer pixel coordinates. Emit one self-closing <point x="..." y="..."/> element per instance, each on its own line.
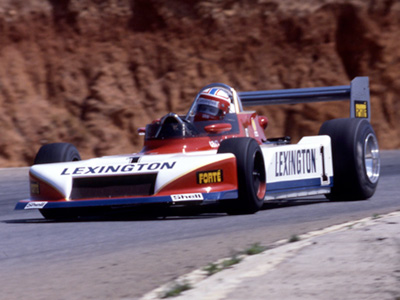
<point x="294" y="185"/>
<point x="210" y="197"/>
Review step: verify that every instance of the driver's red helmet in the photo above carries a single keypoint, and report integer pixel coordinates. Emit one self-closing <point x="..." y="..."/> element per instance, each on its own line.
<point x="212" y="104"/>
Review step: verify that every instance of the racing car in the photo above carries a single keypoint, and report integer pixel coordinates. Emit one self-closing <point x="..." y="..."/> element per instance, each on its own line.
<point x="217" y="153"/>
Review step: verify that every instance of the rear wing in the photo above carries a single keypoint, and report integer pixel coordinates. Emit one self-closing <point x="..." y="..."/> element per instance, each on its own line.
<point x="357" y="92"/>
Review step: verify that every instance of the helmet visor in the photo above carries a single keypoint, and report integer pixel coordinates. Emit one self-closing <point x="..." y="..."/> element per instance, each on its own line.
<point x="209" y="107"/>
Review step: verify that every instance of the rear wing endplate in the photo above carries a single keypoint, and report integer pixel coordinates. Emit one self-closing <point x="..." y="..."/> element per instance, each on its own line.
<point x="357" y="92"/>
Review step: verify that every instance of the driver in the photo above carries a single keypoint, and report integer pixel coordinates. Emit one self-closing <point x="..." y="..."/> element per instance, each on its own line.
<point x="212" y="104"/>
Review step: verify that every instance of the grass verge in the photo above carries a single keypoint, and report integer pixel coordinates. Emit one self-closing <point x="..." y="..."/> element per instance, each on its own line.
<point x="176" y="290"/>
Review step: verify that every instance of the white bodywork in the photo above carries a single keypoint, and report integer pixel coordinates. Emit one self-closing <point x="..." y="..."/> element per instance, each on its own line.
<point x="291" y="168"/>
<point x="296" y="170"/>
<point x="169" y="167"/>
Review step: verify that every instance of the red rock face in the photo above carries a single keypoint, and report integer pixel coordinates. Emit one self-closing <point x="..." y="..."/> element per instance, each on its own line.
<point x="92" y="72"/>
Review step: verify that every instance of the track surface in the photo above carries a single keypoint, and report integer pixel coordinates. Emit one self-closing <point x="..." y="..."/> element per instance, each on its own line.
<point x="120" y="259"/>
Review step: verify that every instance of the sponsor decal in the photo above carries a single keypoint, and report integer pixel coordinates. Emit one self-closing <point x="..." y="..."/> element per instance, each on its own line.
<point x="210" y="177"/>
<point x="361" y="109"/>
<point x="253" y="123"/>
<point x="35" y="205"/>
<point x="129" y="168"/>
<point x="295" y="162"/>
<point x="135" y="159"/>
<point x="187" y="197"/>
<point x="34" y="187"/>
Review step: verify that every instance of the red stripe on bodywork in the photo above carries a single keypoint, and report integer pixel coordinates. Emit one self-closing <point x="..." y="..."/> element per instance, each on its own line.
<point x="188" y="182"/>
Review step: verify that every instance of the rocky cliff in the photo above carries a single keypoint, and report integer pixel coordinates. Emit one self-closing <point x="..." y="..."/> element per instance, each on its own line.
<point x="91" y="72"/>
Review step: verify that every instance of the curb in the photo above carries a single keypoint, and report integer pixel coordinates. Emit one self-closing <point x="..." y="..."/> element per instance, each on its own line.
<point x="272" y="257"/>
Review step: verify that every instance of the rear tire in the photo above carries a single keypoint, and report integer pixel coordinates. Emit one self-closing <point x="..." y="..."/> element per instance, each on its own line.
<point x="250" y="172"/>
<point x="355" y="155"/>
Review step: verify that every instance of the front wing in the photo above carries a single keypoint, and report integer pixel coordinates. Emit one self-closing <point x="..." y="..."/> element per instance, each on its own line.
<point x="203" y="198"/>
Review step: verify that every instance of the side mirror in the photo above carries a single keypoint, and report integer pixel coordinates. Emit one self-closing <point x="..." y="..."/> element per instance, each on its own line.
<point x="218" y="128"/>
<point x="141" y="130"/>
<point x="263" y="121"/>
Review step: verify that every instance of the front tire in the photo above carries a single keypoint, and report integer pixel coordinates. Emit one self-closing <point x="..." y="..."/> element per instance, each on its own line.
<point x="250" y="172"/>
<point x="356" y="161"/>
<point x="55" y="153"/>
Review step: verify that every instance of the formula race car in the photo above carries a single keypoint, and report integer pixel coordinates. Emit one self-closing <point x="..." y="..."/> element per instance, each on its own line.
<point x="217" y="153"/>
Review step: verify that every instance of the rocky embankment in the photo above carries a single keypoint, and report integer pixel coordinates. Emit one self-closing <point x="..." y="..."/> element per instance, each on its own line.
<point x="93" y="72"/>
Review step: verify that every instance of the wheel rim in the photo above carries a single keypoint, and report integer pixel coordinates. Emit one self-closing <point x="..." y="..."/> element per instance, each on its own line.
<point x="371" y="158"/>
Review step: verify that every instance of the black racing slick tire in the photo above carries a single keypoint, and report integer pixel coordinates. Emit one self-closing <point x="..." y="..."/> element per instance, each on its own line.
<point x="250" y="172"/>
<point x="356" y="160"/>
<point x="54" y="153"/>
<point x="57" y="152"/>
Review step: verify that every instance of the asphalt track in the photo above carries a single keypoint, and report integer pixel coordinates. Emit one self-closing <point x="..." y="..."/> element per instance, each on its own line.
<point x="125" y="258"/>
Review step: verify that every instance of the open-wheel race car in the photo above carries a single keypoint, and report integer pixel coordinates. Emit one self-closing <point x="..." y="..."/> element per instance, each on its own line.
<point x="217" y="153"/>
